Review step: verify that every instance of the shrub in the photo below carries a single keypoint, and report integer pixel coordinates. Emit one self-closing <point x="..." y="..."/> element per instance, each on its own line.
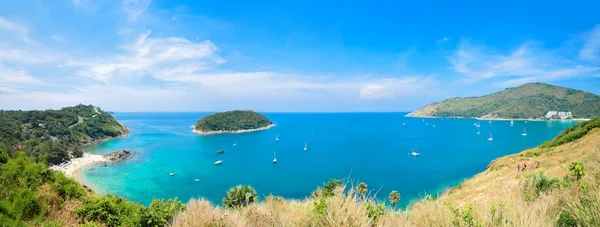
<point x="239" y="196"/>
<point x="577" y="170"/>
<point x="374" y="212"/>
<point x="537" y="184"/>
<point x="320" y="206"/>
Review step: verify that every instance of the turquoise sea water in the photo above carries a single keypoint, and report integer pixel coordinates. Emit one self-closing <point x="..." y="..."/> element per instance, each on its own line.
<point x="369" y="147"/>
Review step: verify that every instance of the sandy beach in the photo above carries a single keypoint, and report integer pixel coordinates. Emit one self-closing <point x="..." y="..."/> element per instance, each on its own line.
<point x="72" y="168"/>
<point x="230" y="132"/>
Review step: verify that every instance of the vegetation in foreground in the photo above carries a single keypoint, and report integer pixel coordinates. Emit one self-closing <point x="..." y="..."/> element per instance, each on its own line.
<point x="33" y="195"/>
<point x="528" y="101"/>
<point x="232" y="121"/>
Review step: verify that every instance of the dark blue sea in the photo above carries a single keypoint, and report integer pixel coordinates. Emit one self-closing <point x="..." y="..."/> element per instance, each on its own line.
<point x="369" y="147"/>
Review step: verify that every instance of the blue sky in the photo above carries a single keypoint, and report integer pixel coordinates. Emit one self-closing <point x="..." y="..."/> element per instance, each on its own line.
<point x="141" y="55"/>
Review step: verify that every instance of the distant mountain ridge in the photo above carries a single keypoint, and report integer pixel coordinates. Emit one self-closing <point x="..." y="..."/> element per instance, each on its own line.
<point x="528" y="101"/>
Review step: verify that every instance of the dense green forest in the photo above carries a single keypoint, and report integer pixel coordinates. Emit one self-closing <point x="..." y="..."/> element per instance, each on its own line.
<point x="532" y="100"/>
<point x="53" y="136"/>
<point x="232" y="121"/>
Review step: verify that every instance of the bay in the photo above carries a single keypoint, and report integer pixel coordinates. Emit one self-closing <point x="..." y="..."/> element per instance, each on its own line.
<point x="369" y="147"/>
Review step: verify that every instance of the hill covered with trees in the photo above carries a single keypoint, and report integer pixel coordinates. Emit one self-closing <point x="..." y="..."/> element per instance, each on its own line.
<point x="528" y="101"/>
<point x="53" y="136"/>
<point x="232" y="121"/>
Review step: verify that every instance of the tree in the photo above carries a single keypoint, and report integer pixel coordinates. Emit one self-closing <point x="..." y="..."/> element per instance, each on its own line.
<point x="394" y="198"/>
<point x="362" y="188"/>
<point x="239" y="196"/>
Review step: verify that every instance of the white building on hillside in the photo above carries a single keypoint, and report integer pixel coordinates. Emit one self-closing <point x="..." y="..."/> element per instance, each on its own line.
<point x="558" y="115"/>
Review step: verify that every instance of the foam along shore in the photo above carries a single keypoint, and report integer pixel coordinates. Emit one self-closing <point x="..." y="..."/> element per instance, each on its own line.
<point x="200" y="132"/>
<point x="73" y="167"/>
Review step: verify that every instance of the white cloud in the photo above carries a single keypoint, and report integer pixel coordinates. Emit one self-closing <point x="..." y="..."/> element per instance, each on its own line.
<point x="525" y="64"/>
<point x="12" y="29"/>
<point x="591" y="46"/>
<point x="441" y="41"/>
<point x="149" y="56"/>
<point x="134" y="8"/>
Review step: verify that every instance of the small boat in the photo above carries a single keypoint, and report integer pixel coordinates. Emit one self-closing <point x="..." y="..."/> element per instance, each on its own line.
<point x="197" y="180"/>
<point x="512" y="123"/>
<point x="276" y="138"/>
<point x="525" y="122"/>
<point x="433" y="125"/>
<point x="172" y="174"/>
<point x="414" y="153"/>
<point x="274" y="158"/>
<point x="478" y="125"/>
<point x="478" y="132"/>
<point x="490" y="138"/>
<point x="524" y="133"/>
<point x="218" y="162"/>
<point x="403" y="124"/>
<point x="234" y="144"/>
<point x="305" y="148"/>
<point x="220" y="151"/>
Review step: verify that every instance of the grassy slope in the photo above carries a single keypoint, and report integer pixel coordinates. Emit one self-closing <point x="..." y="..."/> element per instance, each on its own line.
<point x="531" y="100"/>
<point x="494" y="197"/>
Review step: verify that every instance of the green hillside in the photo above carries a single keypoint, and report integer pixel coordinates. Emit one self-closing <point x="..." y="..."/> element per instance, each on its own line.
<point x="232" y="121"/>
<point x="529" y="101"/>
<point x="53" y="136"/>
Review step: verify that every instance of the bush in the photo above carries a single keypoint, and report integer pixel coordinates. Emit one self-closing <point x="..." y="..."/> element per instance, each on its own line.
<point x="67" y="188"/>
<point x="240" y="196"/>
<point x="25" y="205"/>
<point x="374" y="212"/>
<point x="538" y="184"/>
<point x="577" y="170"/>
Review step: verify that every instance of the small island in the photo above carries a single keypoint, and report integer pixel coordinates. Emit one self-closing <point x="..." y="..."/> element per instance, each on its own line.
<point x="236" y="121"/>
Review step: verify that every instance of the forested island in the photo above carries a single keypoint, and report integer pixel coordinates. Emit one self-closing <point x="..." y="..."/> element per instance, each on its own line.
<point x="235" y="121"/>
<point x="528" y="101"/>
<point x="54" y="136"/>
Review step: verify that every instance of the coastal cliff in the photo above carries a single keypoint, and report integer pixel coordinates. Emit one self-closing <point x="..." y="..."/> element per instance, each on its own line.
<point x="528" y="101"/>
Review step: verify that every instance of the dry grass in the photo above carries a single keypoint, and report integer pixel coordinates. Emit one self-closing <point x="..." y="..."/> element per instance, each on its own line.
<point x="494" y="197"/>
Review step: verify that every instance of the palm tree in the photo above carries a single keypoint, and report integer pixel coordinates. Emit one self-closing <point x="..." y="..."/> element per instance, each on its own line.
<point x="362" y="188"/>
<point x="394" y="197"/>
<point x="239" y="196"/>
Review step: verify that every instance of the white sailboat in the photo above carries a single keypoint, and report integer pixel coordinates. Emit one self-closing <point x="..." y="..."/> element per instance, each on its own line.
<point x="274" y="158"/>
<point x="414" y="153"/>
<point x="490" y="138"/>
<point x="478" y="125"/>
<point x="305" y="148"/>
<point x="512" y="123"/>
<point x="524" y="133"/>
<point x="276" y="138"/>
<point x="478" y="132"/>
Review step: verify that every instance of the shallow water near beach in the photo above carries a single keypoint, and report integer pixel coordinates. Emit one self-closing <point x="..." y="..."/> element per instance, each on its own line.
<point x="369" y="147"/>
